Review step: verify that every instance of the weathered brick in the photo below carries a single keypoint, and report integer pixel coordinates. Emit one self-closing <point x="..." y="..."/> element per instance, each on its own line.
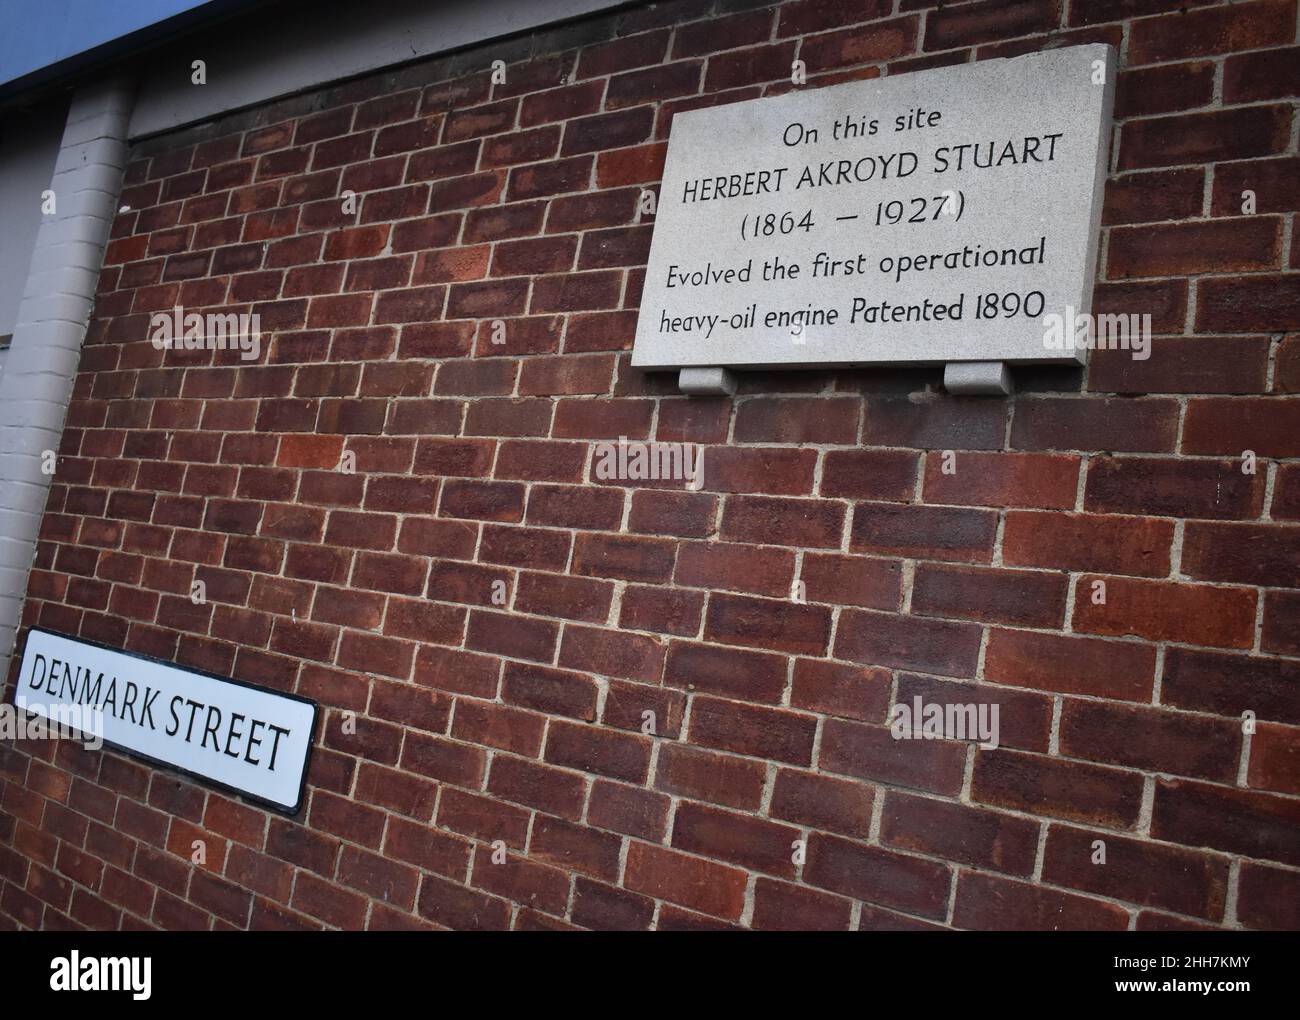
<point x="985" y="839"/>
<point x="880" y="876"/>
<point x="1070" y="664"/>
<point x="1237" y="821"/>
<point x="1166" y="611"/>
<point x="1049" y="786"/>
<point x="1151" y="739"/>
<point x="1110" y="544"/>
<point x="701" y="885"/>
<point x="873" y="752"/>
<point x="988" y="903"/>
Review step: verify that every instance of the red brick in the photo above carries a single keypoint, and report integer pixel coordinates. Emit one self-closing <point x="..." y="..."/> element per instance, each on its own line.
<point x="666" y="611"/>
<point x="1164" y="300"/>
<point x="944" y="533"/>
<point x="753" y="730"/>
<point x="591" y="211"/>
<point x="1237" y="821"/>
<point x="1213" y="30"/>
<point x="823" y="802"/>
<point x="1215" y="246"/>
<point x="1281" y="625"/>
<point x="1151" y="739"/>
<point x="523" y="881"/>
<point x="798" y="420"/>
<point x="622" y="54"/>
<point x="576" y="848"/>
<point x="855" y="692"/>
<point x="782" y="907"/>
<point x="775" y="470"/>
<point x="718" y="565"/>
<point x="1266" y="425"/>
<point x="1119" y="545"/>
<point x="480" y="817"/>
<point x="869" y="474"/>
<point x="1049" y="786"/>
<point x="752" y="676"/>
<point x="1258" y="76"/>
<point x="1275" y="759"/>
<point x="701" y="885"/>
<point x="1096" y="424"/>
<point x="905" y="642"/>
<point x="967" y="835"/>
<point x="641" y="164"/>
<point x="540" y="786"/>
<point x="653" y="84"/>
<point x="1268" y="898"/>
<point x="1040" y="480"/>
<point x="987" y="903"/>
<point x="1164" y="89"/>
<point x="878" y="876"/>
<point x="753" y="843"/>
<point x="1018" y="597"/>
<point x="1175" y="488"/>
<point x="685" y="514"/>
<point x="779" y="626"/>
<point x="810" y="523"/>
<point x="873" y="752"/>
<point x="1167" y="611"/>
<point x="1191" y="138"/>
<point x="602" y="419"/>
<point x="489" y="501"/>
<point x="427" y="848"/>
<point x="851" y="580"/>
<point x="626" y="558"/>
<point x="1159" y="195"/>
<point x="464" y="909"/>
<point x="570" y="597"/>
<point x="1243" y="553"/>
<point x="601" y="907"/>
<point x="595" y="749"/>
<point x="1273" y="182"/>
<point x="628" y="809"/>
<point x="1070" y="664"/>
<point x="1230" y="684"/>
<point x="518" y="638"/>
<point x="702" y="775"/>
<point x="607" y="130"/>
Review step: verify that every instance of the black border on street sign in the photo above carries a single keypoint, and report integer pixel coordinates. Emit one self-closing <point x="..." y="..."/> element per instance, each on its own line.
<point x="171" y="766"/>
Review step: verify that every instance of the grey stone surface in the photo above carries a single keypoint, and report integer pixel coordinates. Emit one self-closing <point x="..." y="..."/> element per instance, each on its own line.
<point x="977" y="377"/>
<point x="706" y="382"/>
<point x="787" y="233"/>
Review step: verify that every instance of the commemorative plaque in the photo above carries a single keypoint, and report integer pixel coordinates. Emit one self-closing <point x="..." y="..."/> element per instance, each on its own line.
<point x="938" y="216"/>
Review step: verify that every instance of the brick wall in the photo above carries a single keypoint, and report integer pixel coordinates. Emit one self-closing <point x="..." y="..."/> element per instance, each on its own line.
<point x="372" y="592"/>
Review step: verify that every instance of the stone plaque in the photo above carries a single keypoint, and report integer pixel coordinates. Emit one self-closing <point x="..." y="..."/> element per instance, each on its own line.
<point x="939" y="216"/>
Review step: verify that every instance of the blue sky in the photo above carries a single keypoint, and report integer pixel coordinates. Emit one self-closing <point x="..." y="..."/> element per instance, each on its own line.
<point x="37" y="33"/>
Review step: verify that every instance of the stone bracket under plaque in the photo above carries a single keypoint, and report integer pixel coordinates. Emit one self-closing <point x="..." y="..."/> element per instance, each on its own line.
<point x="976" y="377"/>
<point x="706" y="382"/>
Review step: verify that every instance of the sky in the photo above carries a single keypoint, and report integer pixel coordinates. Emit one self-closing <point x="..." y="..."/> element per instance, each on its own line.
<point x="37" y="33"/>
